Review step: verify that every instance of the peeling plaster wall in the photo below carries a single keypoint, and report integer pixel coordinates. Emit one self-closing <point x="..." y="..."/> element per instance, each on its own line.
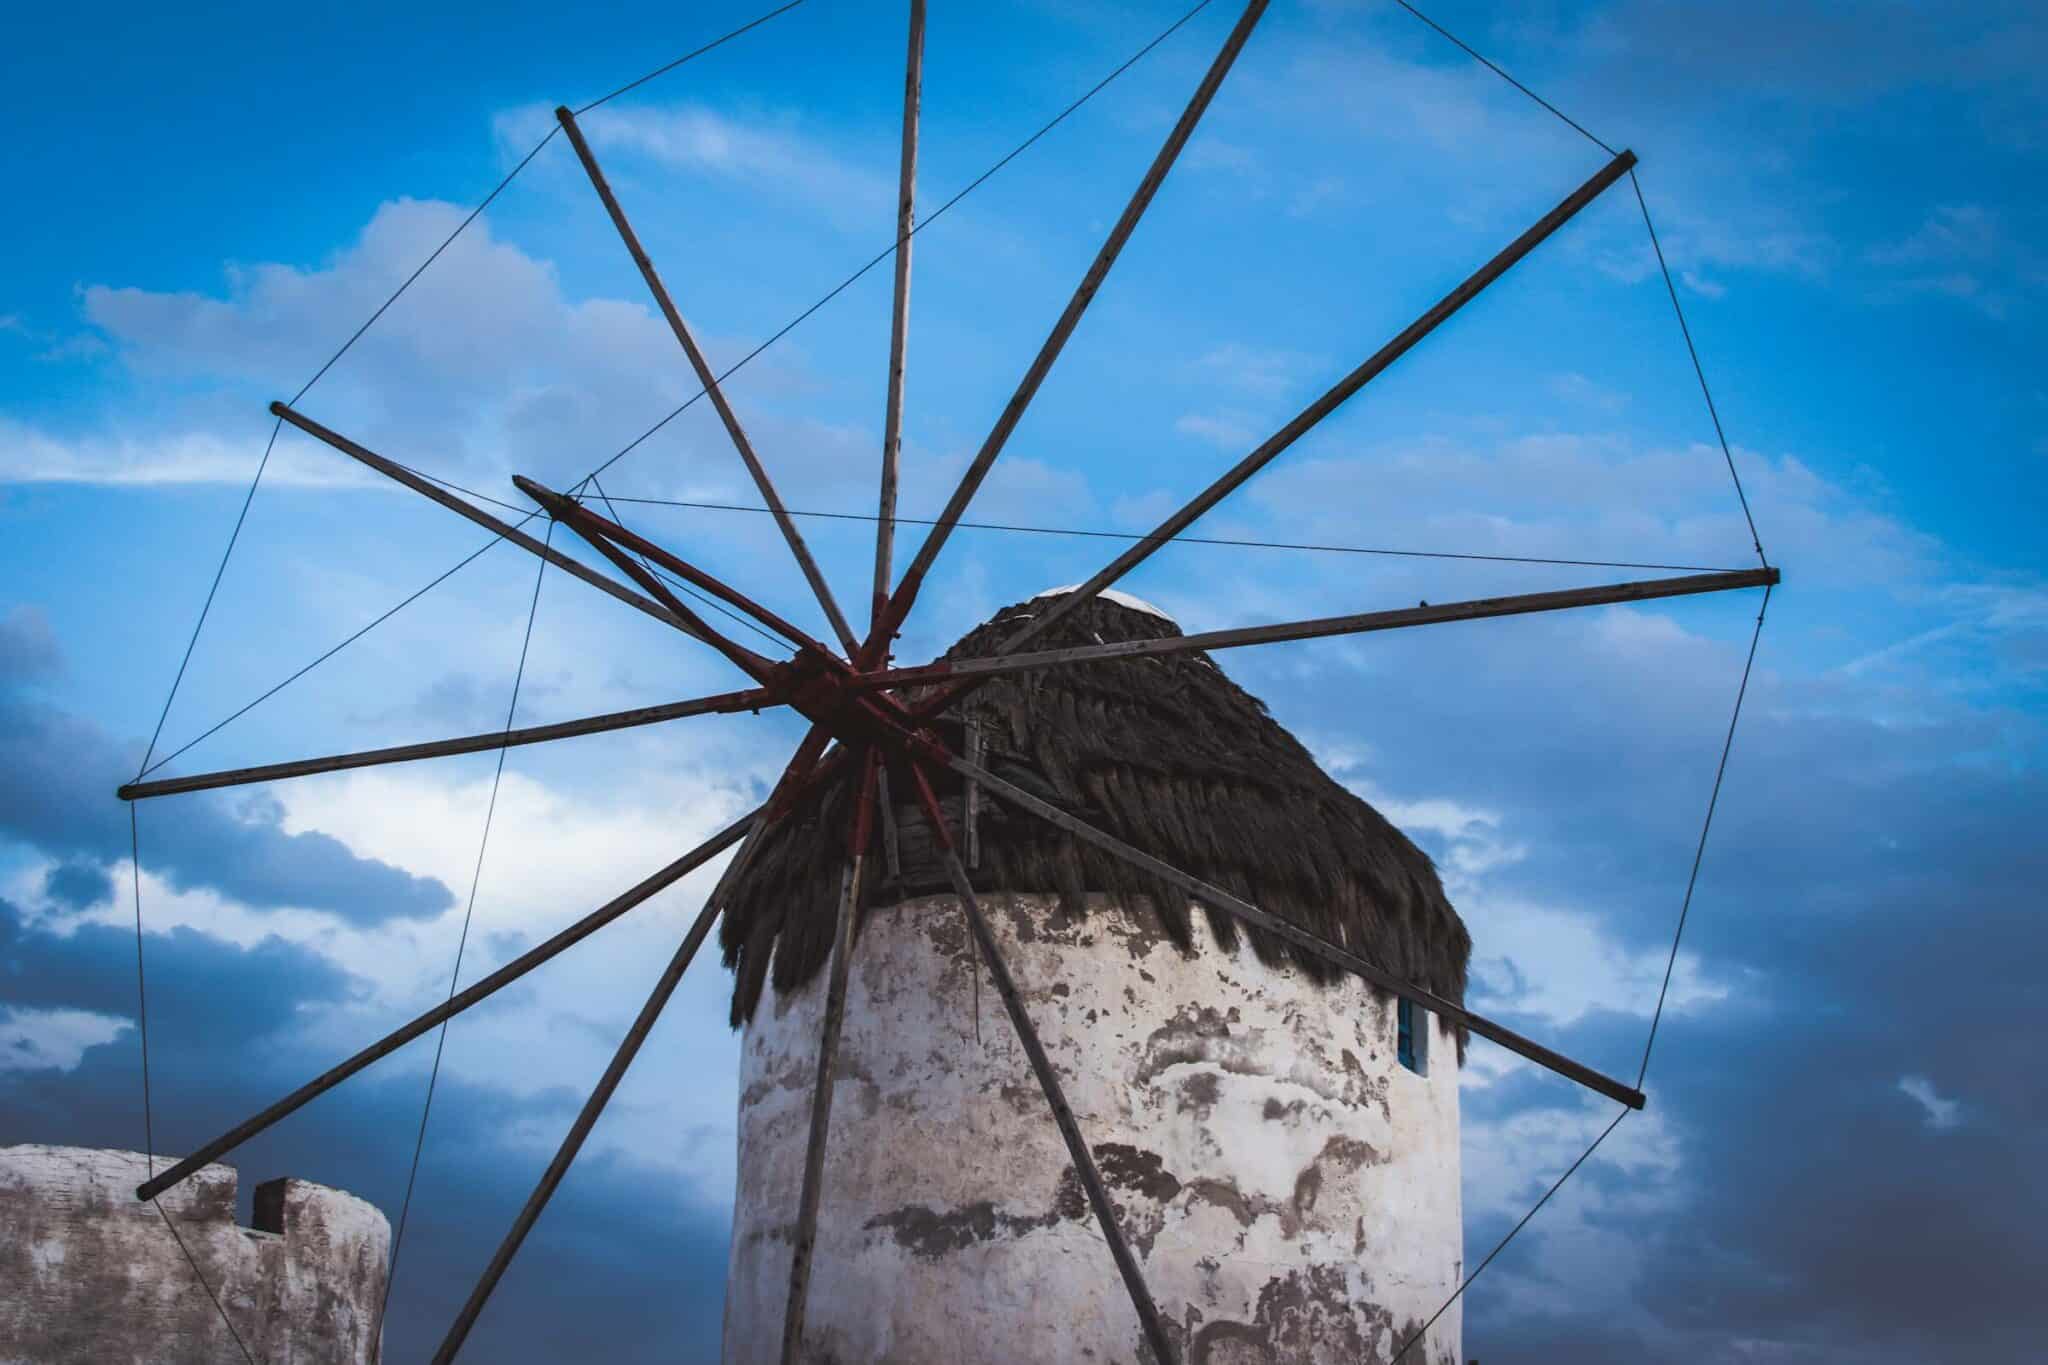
<point x="1290" y="1189"/>
<point x="88" y="1273"/>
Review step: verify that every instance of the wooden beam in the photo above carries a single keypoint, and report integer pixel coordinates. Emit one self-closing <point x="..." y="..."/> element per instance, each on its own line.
<point x="675" y="564"/>
<point x="812" y="1193"/>
<point x="476" y="514"/>
<point x="1424" y="615"/>
<point x="456" y="1004"/>
<point x="753" y="699"/>
<point x="709" y="380"/>
<point x="1084" y="293"/>
<point x="1302" y="938"/>
<point x="608" y="1083"/>
<point x="1315" y="412"/>
<point x="899" y="329"/>
<point x="580" y="520"/>
<point x="1048" y="1081"/>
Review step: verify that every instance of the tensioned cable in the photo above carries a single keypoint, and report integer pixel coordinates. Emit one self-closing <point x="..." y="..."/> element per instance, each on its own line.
<point x="677" y="583"/>
<point x="929" y="219"/>
<point x="263" y="464"/>
<point x="1554" y="1188"/>
<point x="244" y="710"/>
<point x="1700" y="850"/>
<point x="462" y="942"/>
<point x="1183" y="540"/>
<point x="1697" y="369"/>
<point x="1473" y="53"/>
<point x="784" y="331"/>
<point x="148" y="1122"/>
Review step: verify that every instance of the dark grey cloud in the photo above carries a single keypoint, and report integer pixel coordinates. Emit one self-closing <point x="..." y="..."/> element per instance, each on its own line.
<point x="1872" y="896"/>
<point x="623" y="1267"/>
<point x="78" y="886"/>
<point x="58" y="772"/>
<point x="28" y="647"/>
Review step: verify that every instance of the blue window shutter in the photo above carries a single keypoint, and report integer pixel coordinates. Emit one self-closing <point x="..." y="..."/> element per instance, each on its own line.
<point x="1404" y="1013"/>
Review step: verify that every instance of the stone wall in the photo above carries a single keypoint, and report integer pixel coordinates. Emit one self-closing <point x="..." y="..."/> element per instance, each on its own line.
<point x="88" y="1273"/>
<point x="1291" y="1190"/>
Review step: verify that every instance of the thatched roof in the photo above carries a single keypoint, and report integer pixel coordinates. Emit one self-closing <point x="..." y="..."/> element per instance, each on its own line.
<point x="1167" y="754"/>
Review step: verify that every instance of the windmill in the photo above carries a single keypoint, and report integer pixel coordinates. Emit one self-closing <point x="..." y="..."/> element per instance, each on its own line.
<point x="872" y="721"/>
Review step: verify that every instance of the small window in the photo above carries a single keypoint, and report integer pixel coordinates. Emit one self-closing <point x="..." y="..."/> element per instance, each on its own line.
<point x="1412" y="1036"/>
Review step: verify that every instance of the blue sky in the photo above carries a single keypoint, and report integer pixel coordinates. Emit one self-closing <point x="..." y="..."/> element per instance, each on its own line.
<point x="1842" y="1143"/>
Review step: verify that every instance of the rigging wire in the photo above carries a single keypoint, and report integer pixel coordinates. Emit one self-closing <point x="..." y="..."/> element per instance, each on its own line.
<point x="1741" y="691"/>
<point x="1556" y="1185"/>
<point x="1183" y="540"/>
<point x="972" y="185"/>
<point x="148" y="1121"/>
<point x="1700" y="850"/>
<point x="1469" y="51"/>
<point x="1697" y="369"/>
<point x="462" y="942"/>
<point x="892" y="248"/>
<point x="680" y="585"/>
<point x="270" y="445"/>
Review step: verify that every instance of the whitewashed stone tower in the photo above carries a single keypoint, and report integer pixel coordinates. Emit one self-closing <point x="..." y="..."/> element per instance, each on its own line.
<point x="1283" y="1155"/>
<point x="90" y="1273"/>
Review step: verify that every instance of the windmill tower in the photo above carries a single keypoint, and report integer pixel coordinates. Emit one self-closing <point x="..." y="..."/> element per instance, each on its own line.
<point x="1079" y="762"/>
<point x="1279" y="1141"/>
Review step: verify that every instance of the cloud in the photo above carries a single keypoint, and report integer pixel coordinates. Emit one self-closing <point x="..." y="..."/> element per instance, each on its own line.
<point x="763" y="153"/>
<point x="58" y="798"/>
<point x="28" y="647"/>
<point x="1942" y="1114"/>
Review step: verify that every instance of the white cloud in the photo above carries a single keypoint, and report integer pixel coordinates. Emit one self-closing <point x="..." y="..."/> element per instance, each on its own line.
<point x="28" y="455"/>
<point x="764" y="152"/>
<point x="1941" y="1114"/>
<point x="52" y="1040"/>
<point x="1225" y="430"/>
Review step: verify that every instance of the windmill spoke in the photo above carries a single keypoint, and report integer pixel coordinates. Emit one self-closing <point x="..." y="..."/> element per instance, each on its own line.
<point x="632" y="540"/>
<point x="1048" y="1079"/>
<point x="579" y="519"/>
<point x="482" y="518"/>
<point x="828" y="1056"/>
<point x="709" y="380"/>
<point x="455" y="1004"/>
<point x="753" y="699"/>
<point x="1362" y="623"/>
<point x="1084" y="293"/>
<point x="1301" y="938"/>
<point x="1349" y="385"/>
<point x="899" y="327"/>
<point x="572" y="1142"/>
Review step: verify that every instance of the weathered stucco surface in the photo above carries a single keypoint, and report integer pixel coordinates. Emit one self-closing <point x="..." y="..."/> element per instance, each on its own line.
<point x="1291" y="1190"/>
<point x="88" y="1273"/>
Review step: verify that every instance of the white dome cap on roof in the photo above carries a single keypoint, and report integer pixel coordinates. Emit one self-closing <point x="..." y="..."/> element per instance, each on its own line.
<point x="1122" y="599"/>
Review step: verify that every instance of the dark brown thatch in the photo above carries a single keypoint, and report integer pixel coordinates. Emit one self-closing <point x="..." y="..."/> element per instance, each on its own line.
<point x="1167" y="754"/>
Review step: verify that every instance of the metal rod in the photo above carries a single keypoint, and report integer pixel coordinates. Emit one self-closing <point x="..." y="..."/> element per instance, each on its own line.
<point x="1048" y="1081"/>
<point x="572" y="1142"/>
<point x="1362" y="623"/>
<point x="482" y="518"/>
<point x="579" y="519"/>
<point x="462" y="1000"/>
<point x="1349" y="385"/>
<point x="1302" y="938"/>
<point x="1084" y="293"/>
<point x="709" y="380"/>
<point x="752" y="699"/>
<point x="563" y="506"/>
<point x="821" y="1092"/>
<point x="899" y="328"/>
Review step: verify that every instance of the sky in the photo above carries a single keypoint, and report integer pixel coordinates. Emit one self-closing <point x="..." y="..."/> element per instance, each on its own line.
<point x="1841" y="1158"/>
